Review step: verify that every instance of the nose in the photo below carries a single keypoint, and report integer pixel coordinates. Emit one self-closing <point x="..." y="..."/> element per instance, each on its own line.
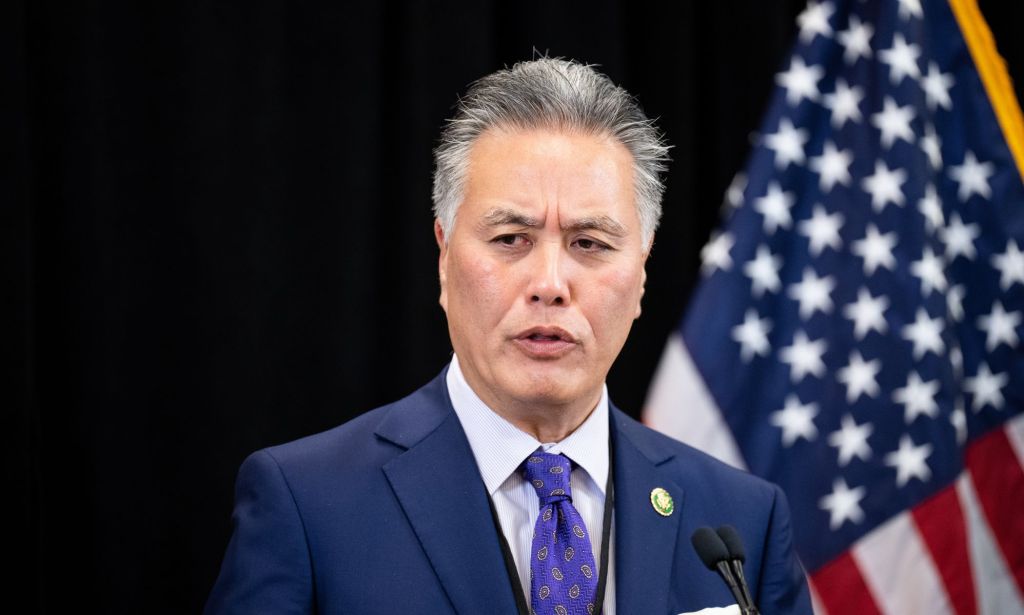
<point x="548" y="282"/>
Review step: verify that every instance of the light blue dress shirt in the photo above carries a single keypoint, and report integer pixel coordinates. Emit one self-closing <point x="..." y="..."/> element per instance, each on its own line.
<point x="500" y="447"/>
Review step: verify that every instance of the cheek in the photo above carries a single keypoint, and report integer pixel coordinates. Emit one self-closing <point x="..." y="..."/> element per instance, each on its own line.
<point x="480" y="288"/>
<point x="616" y="303"/>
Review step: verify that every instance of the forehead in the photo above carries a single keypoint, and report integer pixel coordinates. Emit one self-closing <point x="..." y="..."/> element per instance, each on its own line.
<point x="542" y="168"/>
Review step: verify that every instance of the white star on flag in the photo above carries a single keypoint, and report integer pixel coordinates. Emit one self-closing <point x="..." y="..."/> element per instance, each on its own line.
<point x="822" y="230"/>
<point x="1010" y="265"/>
<point x="856" y="40"/>
<point x="752" y="336"/>
<point x="867" y="313"/>
<point x="932" y="147"/>
<point x="800" y="81"/>
<point x="876" y="249"/>
<point x="910" y="8"/>
<point x="884" y="186"/>
<point x="813" y="293"/>
<point x="852" y="440"/>
<point x="986" y="388"/>
<point x="859" y="377"/>
<point x="936" y="86"/>
<point x="796" y="421"/>
<point x="958" y="419"/>
<point x="734" y="193"/>
<point x="833" y="166"/>
<point x="955" y="302"/>
<point x="959" y="238"/>
<point x="925" y="333"/>
<point x="804" y="357"/>
<point x="844" y="104"/>
<point x="715" y="254"/>
<point x="894" y="122"/>
<point x="930" y="271"/>
<point x="918" y="397"/>
<point x="972" y="176"/>
<point x="787" y="143"/>
<point x="763" y="271"/>
<point x="956" y="359"/>
<point x="902" y="59"/>
<point x="1000" y="327"/>
<point x="775" y="206"/>
<point x="931" y="208"/>
<point x="909" y="461"/>
<point x="843" y="504"/>
<point x="813" y="21"/>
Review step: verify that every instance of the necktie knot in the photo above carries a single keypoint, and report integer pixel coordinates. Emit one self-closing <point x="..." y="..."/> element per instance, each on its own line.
<point x="549" y="475"/>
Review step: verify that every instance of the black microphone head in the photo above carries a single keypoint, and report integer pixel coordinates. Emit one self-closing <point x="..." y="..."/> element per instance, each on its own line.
<point x="709" y="547"/>
<point x="733" y="542"/>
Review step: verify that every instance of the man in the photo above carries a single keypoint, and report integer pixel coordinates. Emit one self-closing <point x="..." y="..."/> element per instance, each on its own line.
<point x="509" y="483"/>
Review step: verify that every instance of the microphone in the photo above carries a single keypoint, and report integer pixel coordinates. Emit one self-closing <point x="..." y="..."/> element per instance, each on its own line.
<point x="734" y="544"/>
<point x="713" y="552"/>
<point x="721" y="559"/>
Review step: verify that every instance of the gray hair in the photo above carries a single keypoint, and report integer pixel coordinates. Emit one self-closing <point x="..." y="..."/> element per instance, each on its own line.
<point x="557" y="94"/>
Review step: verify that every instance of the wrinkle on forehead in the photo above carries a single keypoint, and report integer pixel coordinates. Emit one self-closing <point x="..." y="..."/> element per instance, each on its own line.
<point x="505" y="216"/>
<point x="530" y="179"/>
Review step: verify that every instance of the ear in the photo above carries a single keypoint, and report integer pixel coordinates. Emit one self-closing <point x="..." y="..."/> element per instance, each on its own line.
<point x="643" y="284"/>
<point x="442" y="263"/>
<point x="643" y="278"/>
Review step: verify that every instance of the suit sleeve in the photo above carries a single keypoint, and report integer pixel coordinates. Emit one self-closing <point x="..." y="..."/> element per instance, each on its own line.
<point x="266" y="568"/>
<point x="783" y="586"/>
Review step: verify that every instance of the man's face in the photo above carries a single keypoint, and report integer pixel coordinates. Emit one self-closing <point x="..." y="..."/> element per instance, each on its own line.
<point x="543" y="271"/>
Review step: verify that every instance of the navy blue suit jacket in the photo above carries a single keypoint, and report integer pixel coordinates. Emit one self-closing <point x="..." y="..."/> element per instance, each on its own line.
<point x="388" y="514"/>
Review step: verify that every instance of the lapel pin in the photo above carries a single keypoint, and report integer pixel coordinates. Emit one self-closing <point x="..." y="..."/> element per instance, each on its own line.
<point x="662" y="502"/>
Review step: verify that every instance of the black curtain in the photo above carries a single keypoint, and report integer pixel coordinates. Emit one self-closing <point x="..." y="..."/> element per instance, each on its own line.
<point x="217" y="237"/>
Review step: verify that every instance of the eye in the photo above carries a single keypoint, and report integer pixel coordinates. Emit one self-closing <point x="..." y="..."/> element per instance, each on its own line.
<point x="511" y="241"/>
<point x="591" y="245"/>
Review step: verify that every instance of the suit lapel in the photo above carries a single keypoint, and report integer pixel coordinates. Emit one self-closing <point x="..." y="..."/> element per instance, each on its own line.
<point x="440" y="490"/>
<point x="645" y="540"/>
<point x="439" y="487"/>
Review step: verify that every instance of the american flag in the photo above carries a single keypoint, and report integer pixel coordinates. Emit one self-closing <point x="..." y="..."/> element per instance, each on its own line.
<point x="855" y="337"/>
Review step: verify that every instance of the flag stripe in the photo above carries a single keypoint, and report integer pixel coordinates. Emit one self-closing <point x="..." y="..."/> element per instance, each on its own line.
<point x="1015" y="433"/>
<point x="942" y="526"/>
<point x="971" y="566"/>
<point x="997" y="592"/>
<point x="895" y="564"/>
<point x="680" y="406"/>
<point x="999" y="482"/>
<point x="816" y="604"/>
<point x="842" y="589"/>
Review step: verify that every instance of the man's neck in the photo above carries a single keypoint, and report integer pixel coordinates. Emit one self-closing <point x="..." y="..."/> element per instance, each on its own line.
<point x="547" y="422"/>
<point x="547" y="425"/>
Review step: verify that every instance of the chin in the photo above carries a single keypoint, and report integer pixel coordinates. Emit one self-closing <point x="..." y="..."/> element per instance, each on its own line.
<point x="550" y="387"/>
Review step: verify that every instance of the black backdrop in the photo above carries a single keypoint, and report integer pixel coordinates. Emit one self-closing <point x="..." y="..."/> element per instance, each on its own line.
<point x="217" y="236"/>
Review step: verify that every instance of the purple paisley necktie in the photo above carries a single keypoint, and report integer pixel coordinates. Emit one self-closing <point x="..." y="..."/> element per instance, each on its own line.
<point x="563" y="578"/>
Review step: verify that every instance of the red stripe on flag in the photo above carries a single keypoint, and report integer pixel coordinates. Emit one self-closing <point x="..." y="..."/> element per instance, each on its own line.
<point x="841" y="588"/>
<point x="941" y="524"/>
<point x="999" y="483"/>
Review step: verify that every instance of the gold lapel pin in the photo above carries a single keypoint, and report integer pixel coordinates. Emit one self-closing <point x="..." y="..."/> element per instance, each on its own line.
<point x="662" y="502"/>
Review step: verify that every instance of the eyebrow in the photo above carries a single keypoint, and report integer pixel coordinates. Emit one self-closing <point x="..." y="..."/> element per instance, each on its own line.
<point x="503" y="216"/>
<point x="605" y="224"/>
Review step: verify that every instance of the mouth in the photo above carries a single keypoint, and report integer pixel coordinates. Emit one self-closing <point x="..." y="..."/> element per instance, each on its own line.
<point x="545" y="342"/>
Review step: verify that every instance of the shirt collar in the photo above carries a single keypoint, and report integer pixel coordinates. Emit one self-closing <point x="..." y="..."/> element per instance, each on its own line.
<point x="499" y="447"/>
